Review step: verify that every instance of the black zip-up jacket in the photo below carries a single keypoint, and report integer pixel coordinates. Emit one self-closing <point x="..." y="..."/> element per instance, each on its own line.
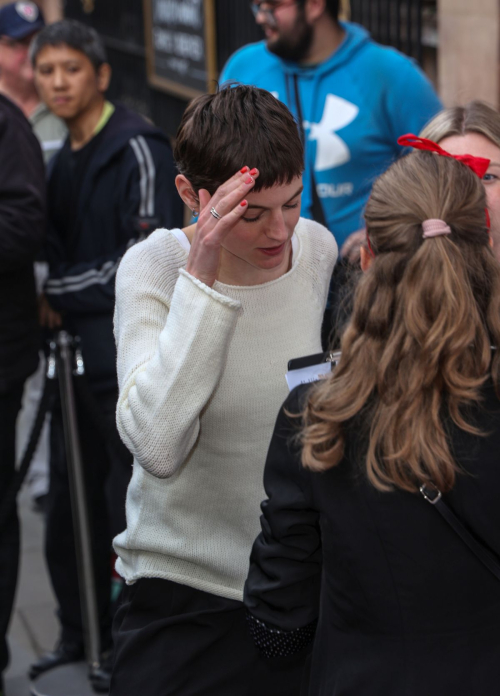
<point x="22" y="229"/>
<point x="128" y="190"/>
<point x="404" y="607"/>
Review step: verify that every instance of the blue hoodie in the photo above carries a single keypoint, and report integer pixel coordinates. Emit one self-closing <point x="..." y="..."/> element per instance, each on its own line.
<point x="354" y="105"/>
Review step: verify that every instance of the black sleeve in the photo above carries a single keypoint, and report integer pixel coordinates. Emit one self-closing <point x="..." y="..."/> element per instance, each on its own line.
<point x="150" y="198"/>
<point x="85" y="286"/>
<point x="147" y="199"/>
<point x="283" y="585"/>
<point x="22" y="189"/>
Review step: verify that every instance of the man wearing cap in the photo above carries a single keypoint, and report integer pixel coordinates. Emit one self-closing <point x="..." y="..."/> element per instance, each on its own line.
<point x="19" y="22"/>
<point x="22" y="229"/>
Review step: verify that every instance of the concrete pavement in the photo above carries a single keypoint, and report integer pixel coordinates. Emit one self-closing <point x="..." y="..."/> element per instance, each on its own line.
<point x="34" y="628"/>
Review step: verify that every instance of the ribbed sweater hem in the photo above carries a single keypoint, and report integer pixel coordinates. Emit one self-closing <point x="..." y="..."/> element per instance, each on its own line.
<point x="158" y="570"/>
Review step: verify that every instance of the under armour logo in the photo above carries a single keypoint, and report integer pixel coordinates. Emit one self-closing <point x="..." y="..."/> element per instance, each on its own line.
<point x="331" y="151"/>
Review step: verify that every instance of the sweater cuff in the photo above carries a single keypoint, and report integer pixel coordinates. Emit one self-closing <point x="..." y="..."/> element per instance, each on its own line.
<point x="223" y="299"/>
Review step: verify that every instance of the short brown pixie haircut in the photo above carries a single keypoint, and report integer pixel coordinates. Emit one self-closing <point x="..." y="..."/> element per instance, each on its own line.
<point x="236" y="127"/>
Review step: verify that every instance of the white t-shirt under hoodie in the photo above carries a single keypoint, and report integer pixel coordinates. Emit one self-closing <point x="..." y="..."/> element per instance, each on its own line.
<point x="201" y="373"/>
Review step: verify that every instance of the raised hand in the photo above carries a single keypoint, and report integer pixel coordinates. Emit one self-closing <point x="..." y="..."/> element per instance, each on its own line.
<point x="219" y="215"/>
<point x="350" y="249"/>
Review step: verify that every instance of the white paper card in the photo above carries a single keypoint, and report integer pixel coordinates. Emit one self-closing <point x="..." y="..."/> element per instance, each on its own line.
<point x="306" y="375"/>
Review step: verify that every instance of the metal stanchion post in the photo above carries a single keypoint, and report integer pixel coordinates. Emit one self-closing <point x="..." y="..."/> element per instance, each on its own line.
<point x="65" y="371"/>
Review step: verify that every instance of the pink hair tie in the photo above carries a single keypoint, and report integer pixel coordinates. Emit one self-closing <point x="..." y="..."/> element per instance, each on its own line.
<point x="435" y="228"/>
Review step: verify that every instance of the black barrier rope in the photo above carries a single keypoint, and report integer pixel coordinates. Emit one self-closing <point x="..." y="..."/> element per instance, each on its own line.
<point x="87" y="401"/>
<point x="45" y="406"/>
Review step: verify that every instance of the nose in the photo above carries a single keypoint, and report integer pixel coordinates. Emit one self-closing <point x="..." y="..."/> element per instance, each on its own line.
<point x="277" y="230"/>
<point x="58" y="81"/>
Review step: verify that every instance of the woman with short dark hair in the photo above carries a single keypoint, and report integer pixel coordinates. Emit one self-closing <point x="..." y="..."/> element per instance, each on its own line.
<point x="206" y="321"/>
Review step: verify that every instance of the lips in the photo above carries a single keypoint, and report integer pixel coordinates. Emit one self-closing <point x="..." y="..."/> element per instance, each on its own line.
<point x="273" y="251"/>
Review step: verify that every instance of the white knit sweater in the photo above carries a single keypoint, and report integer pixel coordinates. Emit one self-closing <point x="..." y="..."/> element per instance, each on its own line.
<point x="202" y="376"/>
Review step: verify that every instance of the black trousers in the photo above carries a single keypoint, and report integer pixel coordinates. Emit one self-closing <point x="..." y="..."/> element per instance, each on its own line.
<point x="173" y="640"/>
<point x="108" y="467"/>
<point x="10" y="404"/>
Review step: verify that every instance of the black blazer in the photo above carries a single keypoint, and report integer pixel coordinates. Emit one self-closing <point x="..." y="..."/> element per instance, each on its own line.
<point x="404" y="608"/>
<point x="22" y="231"/>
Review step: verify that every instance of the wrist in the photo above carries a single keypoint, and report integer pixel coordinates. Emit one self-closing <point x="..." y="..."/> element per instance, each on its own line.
<point x="206" y="279"/>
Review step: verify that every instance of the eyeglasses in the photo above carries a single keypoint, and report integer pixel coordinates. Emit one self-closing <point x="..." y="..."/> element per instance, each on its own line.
<point x="269" y="11"/>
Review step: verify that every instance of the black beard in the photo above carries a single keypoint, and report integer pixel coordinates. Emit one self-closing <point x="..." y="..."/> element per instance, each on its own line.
<point x="294" y="49"/>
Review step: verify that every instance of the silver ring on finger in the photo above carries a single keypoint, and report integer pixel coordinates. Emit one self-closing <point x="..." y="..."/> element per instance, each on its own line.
<point x="216" y="215"/>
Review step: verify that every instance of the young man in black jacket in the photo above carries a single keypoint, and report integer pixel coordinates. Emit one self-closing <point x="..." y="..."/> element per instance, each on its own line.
<point x="22" y="229"/>
<point x="111" y="184"/>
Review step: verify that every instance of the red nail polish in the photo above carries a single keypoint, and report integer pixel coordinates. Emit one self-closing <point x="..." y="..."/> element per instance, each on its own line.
<point x="243" y="204"/>
<point x="248" y="180"/>
<point x="253" y="171"/>
<point x="245" y="169"/>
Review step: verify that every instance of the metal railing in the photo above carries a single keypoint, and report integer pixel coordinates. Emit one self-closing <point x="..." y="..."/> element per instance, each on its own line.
<point x="395" y="23"/>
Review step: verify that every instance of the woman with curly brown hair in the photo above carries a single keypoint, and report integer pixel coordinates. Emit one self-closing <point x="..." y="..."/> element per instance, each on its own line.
<point x="403" y="606"/>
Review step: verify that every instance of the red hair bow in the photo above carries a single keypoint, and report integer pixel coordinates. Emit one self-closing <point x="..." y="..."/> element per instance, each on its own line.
<point x="479" y="165"/>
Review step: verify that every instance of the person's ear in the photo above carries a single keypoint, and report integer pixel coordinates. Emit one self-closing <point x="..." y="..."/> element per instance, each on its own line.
<point x="103" y="77"/>
<point x="314" y="10"/>
<point x="187" y="194"/>
<point x="365" y="258"/>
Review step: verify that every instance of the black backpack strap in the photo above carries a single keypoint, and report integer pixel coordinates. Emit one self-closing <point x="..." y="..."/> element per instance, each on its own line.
<point x="434" y="497"/>
<point x="317" y="209"/>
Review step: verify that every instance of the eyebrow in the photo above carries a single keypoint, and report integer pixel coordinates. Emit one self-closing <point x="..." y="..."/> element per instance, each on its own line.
<point x="494" y="164"/>
<point x="69" y="61"/>
<point x="263" y="207"/>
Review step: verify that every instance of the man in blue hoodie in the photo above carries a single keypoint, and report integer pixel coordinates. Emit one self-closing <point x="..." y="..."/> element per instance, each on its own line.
<point x="352" y="99"/>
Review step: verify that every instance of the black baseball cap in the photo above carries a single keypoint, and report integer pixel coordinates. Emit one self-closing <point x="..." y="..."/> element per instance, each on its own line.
<point x="20" y="19"/>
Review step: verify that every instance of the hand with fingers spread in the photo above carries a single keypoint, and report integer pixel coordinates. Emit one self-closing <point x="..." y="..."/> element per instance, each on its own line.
<point x="219" y="215"/>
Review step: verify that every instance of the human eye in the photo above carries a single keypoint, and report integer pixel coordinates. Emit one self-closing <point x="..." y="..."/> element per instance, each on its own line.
<point x="44" y="70"/>
<point x="291" y="206"/>
<point x="251" y="219"/>
<point x="489" y="177"/>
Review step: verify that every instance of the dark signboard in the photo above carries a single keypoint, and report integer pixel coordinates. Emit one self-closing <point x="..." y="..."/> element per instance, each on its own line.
<point x="180" y="43"/>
